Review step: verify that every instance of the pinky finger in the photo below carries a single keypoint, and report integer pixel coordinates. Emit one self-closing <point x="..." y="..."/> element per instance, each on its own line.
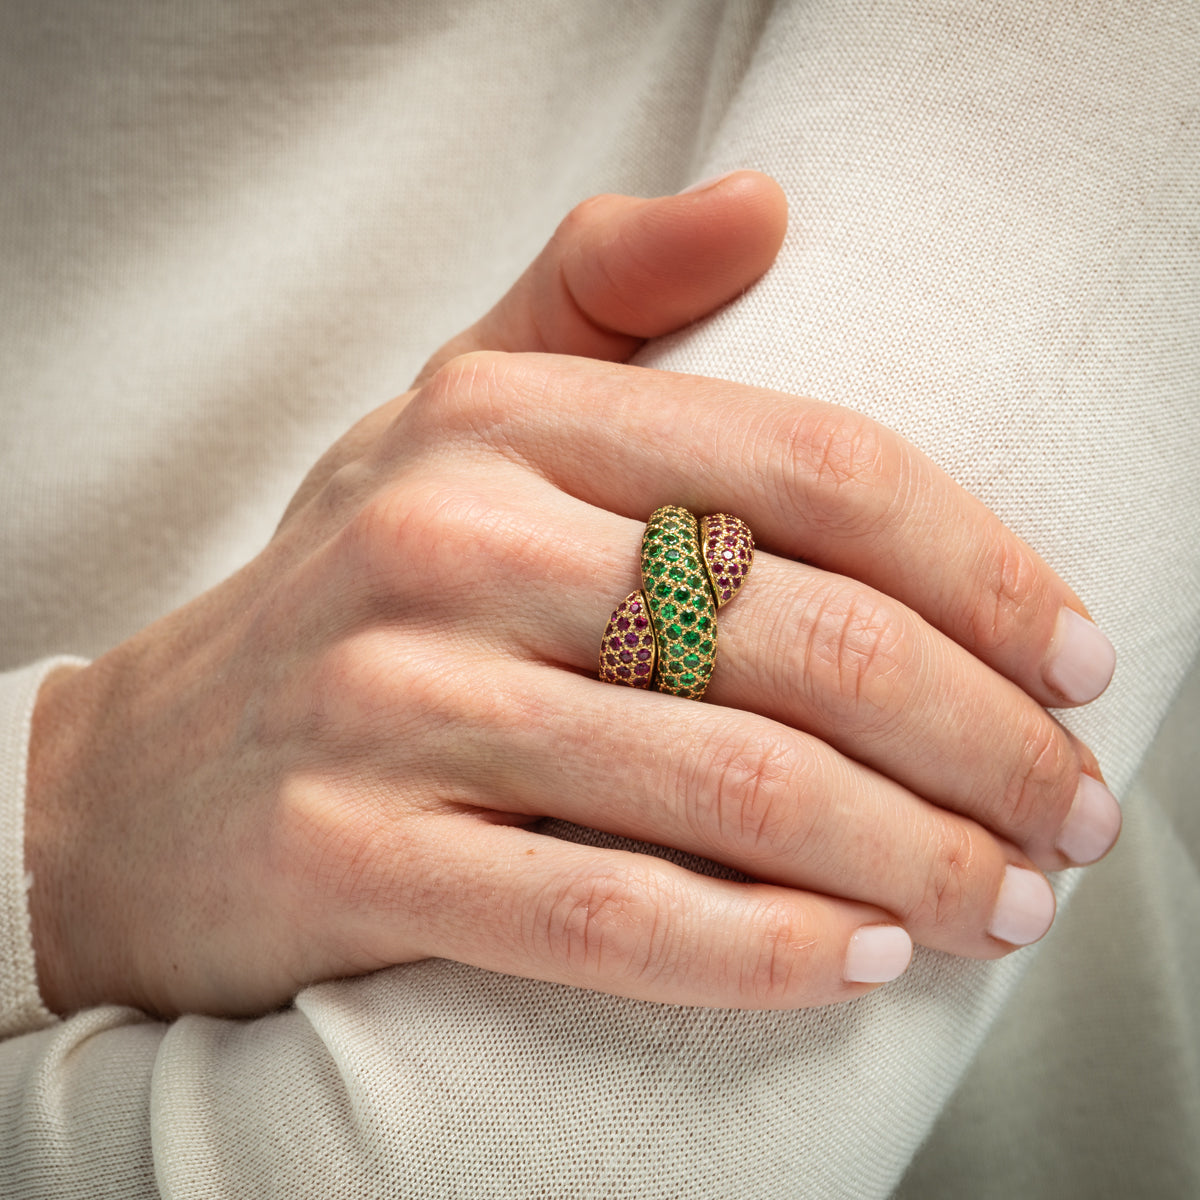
<point x="635" y="925"/>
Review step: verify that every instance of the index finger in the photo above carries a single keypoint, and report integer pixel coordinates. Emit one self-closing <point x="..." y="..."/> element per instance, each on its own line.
<point x="813" y="480"/>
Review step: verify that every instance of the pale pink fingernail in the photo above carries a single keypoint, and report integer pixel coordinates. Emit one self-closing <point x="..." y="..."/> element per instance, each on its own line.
<point x="704" y="184"/>
<point x="1092" y="824"/>
<point x="1080" y="660"/>
<point x="877" y="954"/>
<point x="1024" y="909"/>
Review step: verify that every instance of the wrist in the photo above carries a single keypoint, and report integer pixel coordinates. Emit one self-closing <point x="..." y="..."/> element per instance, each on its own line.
<point x="67" y="950"/>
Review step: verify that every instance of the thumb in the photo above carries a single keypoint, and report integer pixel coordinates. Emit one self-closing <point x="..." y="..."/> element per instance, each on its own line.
<point x="620" y="269"/>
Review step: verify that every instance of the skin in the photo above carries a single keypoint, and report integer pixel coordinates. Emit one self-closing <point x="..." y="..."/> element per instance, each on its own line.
<point x="335" y="760"/>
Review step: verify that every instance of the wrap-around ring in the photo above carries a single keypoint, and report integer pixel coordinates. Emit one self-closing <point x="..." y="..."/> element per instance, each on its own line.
<point x="664" y="636"/>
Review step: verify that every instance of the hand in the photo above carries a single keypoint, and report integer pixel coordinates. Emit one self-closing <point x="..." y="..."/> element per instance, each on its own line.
<point x="332" y="762"/>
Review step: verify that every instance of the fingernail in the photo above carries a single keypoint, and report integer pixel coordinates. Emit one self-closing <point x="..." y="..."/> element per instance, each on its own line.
<point x="705" y="184"/>
<point x="877" y="954"/>
<point x="1024" y="909"/>
<point x="1092" y="825"/>
<point x="1081" y="659"/>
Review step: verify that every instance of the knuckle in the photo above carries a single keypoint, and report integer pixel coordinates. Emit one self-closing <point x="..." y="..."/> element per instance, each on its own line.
<point x="349" y="681"/>
<point x="416" y="535"/>
<point x="605" y="922"/>
<point x="842" y="471"/>
<point x="467" y="395"/>
<point x="945" y="899"/>
<point x="1009" y="591"/>
<point x="363" y="692"/>
<point x="743" y="794"/>
<point x="1041" y="788"/>
<point x="779" y="961"/>
<point x="344" y="488"/>
<point x="324" y="840"/>
<point x="859" y="655"/>
<point x="343" y="848"/>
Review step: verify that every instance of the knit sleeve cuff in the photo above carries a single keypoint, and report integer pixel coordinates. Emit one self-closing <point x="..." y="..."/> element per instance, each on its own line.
<point x="21" y="1007"/>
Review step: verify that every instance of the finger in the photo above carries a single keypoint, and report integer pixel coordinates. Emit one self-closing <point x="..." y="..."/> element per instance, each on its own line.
<point x="517" y="901"/>
<point x="621" y="269"/>
<point x="867" y="675"/>
<point x="813" y="481"/>
<point x="776" y="804"/>
<point x="813" y="651"/>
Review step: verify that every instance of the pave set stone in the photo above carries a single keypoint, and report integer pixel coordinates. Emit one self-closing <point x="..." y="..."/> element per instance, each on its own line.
<point x="728" y="550"/>
<point x="682" y="608"/>
<point x="665" y="636"/>
<point x="627" y="652"/>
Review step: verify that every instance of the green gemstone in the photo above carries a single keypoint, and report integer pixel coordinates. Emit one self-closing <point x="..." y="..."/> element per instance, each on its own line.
<point x="691" y="637"/>
<point x="677" y="573"/>
<point x="707" y="648"/>
<point x="687" y="679"/>
<point x="683" y="595"/>
<point x="687" y="617"/>
<point x="691" y="660"/>
<point x="663" y="589"/>
<point x="702" y="624"/>
<point x="675" y="631"/>
<point x="672" y="555"/>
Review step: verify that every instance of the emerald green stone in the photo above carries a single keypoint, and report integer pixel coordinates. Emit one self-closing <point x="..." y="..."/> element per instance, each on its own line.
<point x="691" y="637"/>
<point x="687" y="678"/>
<point x="663" y="589"/>
<point x="683" y="595"/>
<point x="672" y="555"/>
<point x="687" y="617"/>
<point x="675" y="631"/>
<point x="691" y="660"/>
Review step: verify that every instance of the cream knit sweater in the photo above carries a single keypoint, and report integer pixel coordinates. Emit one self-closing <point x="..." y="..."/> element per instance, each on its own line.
<point x="229" y="228"/>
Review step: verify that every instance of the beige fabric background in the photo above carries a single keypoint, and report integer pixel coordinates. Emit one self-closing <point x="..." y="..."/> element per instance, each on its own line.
<point x="227" y="229"/>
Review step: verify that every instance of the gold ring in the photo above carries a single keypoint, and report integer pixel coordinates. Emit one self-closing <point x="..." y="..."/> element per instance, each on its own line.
<point x="664" y="636"/>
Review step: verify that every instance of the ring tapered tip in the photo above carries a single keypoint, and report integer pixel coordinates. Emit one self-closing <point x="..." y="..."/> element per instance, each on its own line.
<point x="627" y="653"/>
